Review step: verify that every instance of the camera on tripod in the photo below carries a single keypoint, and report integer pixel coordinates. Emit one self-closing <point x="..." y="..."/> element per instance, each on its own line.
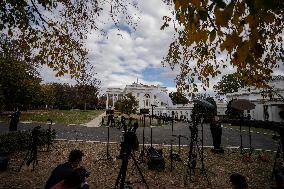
<point x="130" y="141"/>
<point x="128" y="146"/>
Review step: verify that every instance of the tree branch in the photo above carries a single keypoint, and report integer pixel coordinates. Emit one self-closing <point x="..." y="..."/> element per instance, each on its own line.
<point x="40" y="15"/>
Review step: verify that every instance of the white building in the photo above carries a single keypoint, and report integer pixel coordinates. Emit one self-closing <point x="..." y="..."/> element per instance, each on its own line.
<point x="145" y="94"/>
<point x="154" y="95"/>
<point x="267" y="107"/>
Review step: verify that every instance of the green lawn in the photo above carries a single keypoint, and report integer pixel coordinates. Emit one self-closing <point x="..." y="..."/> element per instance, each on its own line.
<point x="154" y="122"/>
<point x="59" y="116"/>
<point x="245" y="128"/>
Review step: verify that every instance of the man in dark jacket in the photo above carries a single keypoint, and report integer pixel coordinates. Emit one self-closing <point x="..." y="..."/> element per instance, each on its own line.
<point x="62" y="171"/>
<point x="216" y="132"/>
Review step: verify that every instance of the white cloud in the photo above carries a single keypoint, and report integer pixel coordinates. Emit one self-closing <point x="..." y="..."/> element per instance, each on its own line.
<point x="122" y="55"/>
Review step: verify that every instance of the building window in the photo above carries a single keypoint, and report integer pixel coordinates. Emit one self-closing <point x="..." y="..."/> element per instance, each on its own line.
<point x="137" y="94"/>
<point x="147" y="97"/>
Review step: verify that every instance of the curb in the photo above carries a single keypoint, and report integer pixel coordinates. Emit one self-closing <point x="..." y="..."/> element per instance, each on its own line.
<point x="248" y="131"/>
<point x="165" y="145"/>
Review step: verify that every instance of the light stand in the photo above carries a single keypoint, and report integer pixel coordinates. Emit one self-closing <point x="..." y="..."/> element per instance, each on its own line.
<point x="172" y="122"/>
<point x="202" y="150"/>
<point x="250" y="147"/>
<point x="49" y="135"/>
<point x="107" y="150"/>
<point x="151" y="136"/>
<point x="152" y="105"/>
<point x="171" y="154"/>
<point x="142" y="154"/>
<point x="108" y="156"/>
<point x="241" y="136"/>
<point x="179" y="141"/>
<point x="174" y="156"/>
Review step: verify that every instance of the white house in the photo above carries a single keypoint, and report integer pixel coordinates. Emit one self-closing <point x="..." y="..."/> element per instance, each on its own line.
<point x="154" y="95"/>
<point x="146" y="95"/>
<point x="267" y="107"/>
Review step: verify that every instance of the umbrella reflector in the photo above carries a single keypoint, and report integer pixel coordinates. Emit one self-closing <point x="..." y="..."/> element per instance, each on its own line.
<point x="242" y="104"/>
<point x="204" y="103"/>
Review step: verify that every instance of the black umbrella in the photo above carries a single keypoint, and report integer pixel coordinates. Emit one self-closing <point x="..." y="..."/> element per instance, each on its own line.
<point x="242" y="104"/>
<point x="204" y="103"/>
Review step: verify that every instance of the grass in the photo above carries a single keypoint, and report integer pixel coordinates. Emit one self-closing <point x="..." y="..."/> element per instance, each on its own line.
<point x="254" y="129"/>
<point x="154" y="122"/>
<point x="59" y="116"/>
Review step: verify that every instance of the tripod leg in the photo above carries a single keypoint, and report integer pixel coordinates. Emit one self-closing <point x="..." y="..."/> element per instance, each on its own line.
<point x="241" y="136"/>
<point x="139" y="170"/>
<point x="188" y="172"/>
<point x="142" y="154"/>
<point x="122" y="172"/>
<point x="250" y="148"/>
<point x="275" y="160"/>
<point x="35" y="162"/>
<point x="188" y="169"/>
<point x="107" y="150"/>
<point x="25" y="158"/>
<point x="171" y="155"/>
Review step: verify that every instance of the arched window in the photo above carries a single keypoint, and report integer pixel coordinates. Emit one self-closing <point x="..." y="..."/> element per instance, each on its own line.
<point x="147" y="100"/>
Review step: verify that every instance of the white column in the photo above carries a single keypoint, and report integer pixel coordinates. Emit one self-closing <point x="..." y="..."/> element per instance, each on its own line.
<point x="112" y="100"/>
<point x="107" y="102"/>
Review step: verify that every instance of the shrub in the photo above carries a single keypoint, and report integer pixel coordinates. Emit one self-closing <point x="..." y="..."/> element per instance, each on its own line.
<point x="22" y="140"/>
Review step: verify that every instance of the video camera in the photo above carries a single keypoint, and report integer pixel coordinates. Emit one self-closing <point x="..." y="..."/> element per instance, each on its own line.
<point x="130" y="141"/>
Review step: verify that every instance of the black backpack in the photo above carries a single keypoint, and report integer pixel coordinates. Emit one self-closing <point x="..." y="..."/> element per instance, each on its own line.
<point x="156" y="160"/>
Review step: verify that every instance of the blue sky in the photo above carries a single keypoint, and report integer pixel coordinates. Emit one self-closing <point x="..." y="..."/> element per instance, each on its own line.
<point x="156" y="74"/>
<point x="124" y="54"/>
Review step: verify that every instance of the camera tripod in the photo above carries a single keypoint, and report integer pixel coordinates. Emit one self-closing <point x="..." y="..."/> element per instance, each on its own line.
<point x="49" y="139"/>
<point x="278" y="155"/>
<point x="143" y="154"/>
<point x="31" y="155"/>
<point x="123" y="169"/>
<point x="191" y="163"/>
<point x="176" y="156"/>
<point x="108" y="156"/>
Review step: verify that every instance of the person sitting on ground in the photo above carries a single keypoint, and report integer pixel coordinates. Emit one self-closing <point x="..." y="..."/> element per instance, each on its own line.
<point x="65" y="169"/>
<point x="75" y="180"/>
<point x="238" y="181"/>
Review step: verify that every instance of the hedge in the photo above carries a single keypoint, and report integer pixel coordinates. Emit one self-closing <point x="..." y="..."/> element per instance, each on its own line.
<point x="22" y="140"/>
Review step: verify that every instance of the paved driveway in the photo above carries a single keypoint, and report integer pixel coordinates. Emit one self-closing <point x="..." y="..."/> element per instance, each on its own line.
<point x="161" y="135"/>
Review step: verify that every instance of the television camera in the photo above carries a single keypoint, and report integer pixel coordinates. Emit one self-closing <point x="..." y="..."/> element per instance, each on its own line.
<point x="130" y="141"/>
<point x="128" y="145"/>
